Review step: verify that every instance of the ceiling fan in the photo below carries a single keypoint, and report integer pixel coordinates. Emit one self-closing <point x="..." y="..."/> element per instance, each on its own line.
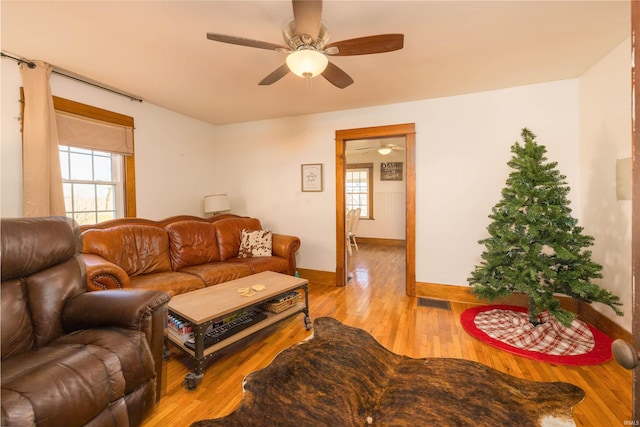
<point x="307" y="37"/>
<point x="382" y="149"/>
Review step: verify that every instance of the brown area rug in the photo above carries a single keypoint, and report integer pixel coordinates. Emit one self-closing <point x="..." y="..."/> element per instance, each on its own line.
<point x="343" y="377"/>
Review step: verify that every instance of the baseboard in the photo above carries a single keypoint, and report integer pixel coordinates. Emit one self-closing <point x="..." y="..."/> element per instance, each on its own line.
<point x="318" y="276"/>
<point x="383" y="242"/>
<point x="585" y="311"/>
<point x="602" y="322"/>
<point x="457" y="293"/>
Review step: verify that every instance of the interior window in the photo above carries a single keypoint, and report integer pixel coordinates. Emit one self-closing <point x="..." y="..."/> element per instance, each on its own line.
<point x="359" y="189"/>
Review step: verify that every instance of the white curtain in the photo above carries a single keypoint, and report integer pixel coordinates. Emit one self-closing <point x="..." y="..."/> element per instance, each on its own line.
<point x="42" y="181"/>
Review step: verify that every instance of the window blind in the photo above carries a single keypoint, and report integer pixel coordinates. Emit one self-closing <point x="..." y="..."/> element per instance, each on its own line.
<point x="82" y="132"/>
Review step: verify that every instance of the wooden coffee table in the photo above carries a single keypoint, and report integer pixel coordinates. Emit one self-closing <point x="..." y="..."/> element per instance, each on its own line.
<point x="204" y="307"/>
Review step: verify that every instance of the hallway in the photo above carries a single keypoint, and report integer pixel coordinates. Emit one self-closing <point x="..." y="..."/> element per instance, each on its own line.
<point x="374" y="261"/>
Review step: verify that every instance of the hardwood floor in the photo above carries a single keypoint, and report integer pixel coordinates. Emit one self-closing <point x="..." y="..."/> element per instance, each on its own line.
<point x="375" y="301"/>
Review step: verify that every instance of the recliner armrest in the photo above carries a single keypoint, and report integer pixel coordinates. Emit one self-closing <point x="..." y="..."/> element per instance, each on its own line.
<point x="137" y="309"/>
<point x="102" y="274"/>
<point x="125" y="308"/>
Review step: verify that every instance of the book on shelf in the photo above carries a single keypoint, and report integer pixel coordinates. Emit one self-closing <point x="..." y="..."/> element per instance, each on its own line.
<point x="179" y="328"/>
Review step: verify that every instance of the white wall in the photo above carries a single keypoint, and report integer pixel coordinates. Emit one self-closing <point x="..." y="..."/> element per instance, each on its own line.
<point x="462" y="147"/>
<point x="605" y="135"/>
<point x="174" y="153"/>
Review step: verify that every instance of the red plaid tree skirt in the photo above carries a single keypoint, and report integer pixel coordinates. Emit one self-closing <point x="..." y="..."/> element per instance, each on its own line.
<point x="550" y="337"/>
<point x="507" y="327"/>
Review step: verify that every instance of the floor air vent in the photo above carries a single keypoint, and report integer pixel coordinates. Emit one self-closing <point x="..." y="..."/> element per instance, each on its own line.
<point x="434" y="303"/>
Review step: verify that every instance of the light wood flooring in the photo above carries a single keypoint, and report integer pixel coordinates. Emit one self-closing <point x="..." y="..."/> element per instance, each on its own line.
<point x="375" y="301"/>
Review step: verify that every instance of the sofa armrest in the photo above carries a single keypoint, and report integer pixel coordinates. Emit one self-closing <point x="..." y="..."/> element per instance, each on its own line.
<point x="286" y="246"/>
<point x="102" y="274"/>
<point x="137" y="309"/>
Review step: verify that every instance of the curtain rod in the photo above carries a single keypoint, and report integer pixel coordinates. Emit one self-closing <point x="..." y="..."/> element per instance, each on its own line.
<point x="31" y="64"/>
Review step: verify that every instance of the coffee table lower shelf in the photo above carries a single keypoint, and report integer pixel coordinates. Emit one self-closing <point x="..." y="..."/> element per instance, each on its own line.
<point x="192" y="380"/>
<point x="270" y="320"/>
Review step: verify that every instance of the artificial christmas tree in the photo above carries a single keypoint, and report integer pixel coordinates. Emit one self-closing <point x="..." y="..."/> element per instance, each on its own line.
<point x="536" y="247"/>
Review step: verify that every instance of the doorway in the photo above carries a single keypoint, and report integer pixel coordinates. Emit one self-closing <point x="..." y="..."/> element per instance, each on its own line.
<point x="342" y="136"/>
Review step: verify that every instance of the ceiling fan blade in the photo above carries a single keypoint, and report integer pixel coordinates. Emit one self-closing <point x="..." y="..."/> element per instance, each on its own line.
<point x="307" y="15"/>
<point x="244" y="42"/>
<point x="276" y="75"/>
<point x="368" y="45"/>
<point x="336" y="76"/>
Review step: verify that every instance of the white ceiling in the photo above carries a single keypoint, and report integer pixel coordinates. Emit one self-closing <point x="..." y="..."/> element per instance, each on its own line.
<point x="158" y="50"/>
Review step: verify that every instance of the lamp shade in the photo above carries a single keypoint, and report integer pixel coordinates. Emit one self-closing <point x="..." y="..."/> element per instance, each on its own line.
<point x="215" y="203"/>
<point x="384" y="150"/>
<point x="307" y="63"/>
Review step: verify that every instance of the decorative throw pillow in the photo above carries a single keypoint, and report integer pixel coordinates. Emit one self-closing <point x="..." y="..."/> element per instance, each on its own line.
<point x="256" y="243"/>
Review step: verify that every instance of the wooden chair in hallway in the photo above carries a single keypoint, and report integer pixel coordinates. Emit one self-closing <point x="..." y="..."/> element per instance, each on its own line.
<point x="348" y="225"/>
<point x="352" y="231"/>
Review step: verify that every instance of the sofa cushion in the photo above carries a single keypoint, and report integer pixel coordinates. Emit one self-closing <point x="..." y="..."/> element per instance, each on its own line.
<point x="192" y="243"/>
<point x="172" y="282"/>
<point x="229" y="232"/>
<point x="138" y="249"/>
<point x="257" y="243"/>
<point x="265" y="263"/>
<point x="218" y="272"/>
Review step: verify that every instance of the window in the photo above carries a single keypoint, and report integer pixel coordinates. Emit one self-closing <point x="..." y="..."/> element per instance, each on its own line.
<point x="98" y="177"/>
<point x="92" y="184"/>
<point x="359" y="189"/>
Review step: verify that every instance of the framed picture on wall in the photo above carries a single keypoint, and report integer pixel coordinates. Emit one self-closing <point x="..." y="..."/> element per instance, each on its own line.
<point x="312" y="177"/>
<point x="391" y="171"/>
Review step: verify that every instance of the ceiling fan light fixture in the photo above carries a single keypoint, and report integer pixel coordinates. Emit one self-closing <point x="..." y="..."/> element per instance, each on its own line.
<point x="307" y="63"/>
<point x="384" y="150"/>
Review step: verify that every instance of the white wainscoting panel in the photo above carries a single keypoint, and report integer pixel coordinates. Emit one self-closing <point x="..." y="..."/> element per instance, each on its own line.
<point x="389" y="217"/>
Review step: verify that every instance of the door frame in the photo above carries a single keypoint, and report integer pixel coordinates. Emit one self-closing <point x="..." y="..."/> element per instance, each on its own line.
<point x="635" y="204"/>
<point x="408" y="131"/>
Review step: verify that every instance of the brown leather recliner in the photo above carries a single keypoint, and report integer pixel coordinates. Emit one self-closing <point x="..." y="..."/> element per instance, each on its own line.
<point x="72" y="357"/>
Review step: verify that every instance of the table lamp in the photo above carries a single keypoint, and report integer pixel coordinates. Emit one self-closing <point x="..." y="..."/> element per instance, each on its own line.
<point x="216" y="203"/>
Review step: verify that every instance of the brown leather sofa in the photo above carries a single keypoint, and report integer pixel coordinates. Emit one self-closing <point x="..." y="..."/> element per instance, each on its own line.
<point x="72" y="357"/>
<point x="178" y="254"/>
